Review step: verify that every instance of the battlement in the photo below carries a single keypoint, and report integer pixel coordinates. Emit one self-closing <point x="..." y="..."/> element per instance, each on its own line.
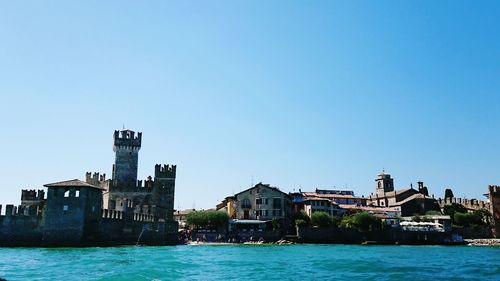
<point x="95" y="178"/>
<point x="32" y="195"/>
<point x="494" y="189"/>
<point x="146" y="183"/>
<point x="165" y="171"/>
<point x="471" y="204"/>
<point x="127" y="138"/>
<point x="26" y="211"/>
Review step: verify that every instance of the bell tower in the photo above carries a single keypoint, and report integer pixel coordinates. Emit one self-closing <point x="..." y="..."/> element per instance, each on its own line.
<point x="126" y="146"/>
<point x="384" y="183"/>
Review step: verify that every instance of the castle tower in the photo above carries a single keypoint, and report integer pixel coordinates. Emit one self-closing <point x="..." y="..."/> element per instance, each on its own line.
<point x="126" y="147"/>
<point x="384" y="183"/>
<point x="164" y="190"/>
<point x="494" y="197"/>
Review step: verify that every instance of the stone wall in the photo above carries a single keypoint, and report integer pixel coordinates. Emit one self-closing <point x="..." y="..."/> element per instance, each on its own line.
<point x="19" y="227"/>
<point x="471" y="204"/>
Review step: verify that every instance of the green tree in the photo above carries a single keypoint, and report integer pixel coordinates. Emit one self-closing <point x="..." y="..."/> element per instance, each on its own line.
<point x="361" y="221"/>
<point x="321" y="219"/>
<point x="433" y="213"/>
<point x="301" y="222"/>
<point x="450" y="210"/>
<point x="478" y="218"/>
<point x="336" y="220"/>
<point x="276" y="224"/>
<point x="303" y="217"/>
<point x="207" y="219"/>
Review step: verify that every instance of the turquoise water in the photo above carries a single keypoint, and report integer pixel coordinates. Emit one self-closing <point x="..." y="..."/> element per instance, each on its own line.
<point x="253" y="262"/>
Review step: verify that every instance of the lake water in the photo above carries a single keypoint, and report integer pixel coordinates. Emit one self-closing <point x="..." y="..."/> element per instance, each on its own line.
<point x="253" y="262"/>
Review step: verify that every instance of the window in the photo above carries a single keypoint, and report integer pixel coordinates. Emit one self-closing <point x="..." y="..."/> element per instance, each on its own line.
<point x="65" y="208"/>
<point x="266" y="212"/>
<point x="66" y="193"/>
<point x="77" y="193"/>
<point x="277" y="203"/>
<point x="266" y="201"/>
<point x="245" y="203"/>
<point x="258" y="201"/>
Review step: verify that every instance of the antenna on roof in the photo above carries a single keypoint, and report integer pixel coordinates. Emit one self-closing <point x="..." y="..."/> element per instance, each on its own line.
<point x="124" y="126"/>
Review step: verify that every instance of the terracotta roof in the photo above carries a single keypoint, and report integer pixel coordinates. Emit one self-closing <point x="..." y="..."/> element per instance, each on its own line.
<point x="71" y="183"/>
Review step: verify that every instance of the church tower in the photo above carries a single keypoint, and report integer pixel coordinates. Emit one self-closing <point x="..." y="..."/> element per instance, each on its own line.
<point x="126" y="146"/>
<point x="384" y="183"/>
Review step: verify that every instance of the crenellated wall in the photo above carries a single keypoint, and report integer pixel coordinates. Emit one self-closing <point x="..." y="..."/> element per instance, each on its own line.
<point x="20" y="226"/>
<point x="471" y="204"/>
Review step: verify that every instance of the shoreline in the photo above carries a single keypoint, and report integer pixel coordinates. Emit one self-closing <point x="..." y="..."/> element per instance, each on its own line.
<point x="494" y="242"/>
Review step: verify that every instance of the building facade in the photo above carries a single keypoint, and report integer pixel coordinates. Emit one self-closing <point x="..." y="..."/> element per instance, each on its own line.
<point x="99" y="211"/>
<point x="407" y="201"/>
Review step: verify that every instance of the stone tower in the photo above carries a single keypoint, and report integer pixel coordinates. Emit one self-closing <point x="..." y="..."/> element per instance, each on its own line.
<point x="384" y="183"/>
<point x="164" y="189"/>
<point x="126" y="147"/>
<point x="494" y="196"/>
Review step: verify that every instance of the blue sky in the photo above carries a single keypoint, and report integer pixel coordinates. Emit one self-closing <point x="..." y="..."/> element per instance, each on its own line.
<point x="320" y="94"/>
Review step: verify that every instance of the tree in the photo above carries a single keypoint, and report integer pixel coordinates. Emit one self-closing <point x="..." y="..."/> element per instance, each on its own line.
<point x="450" y="210"/>
<point x="475" y="219"/>
<point x="207" y="219"/>
<point x="301" y="222"/>
<point x="303" y="217"/>
<point x="321" y="219"/>
<point x="361" y="221"/>
<point x="336" y="220"/>
<point x="433" y="213"/>
<point x="448" y="193"/>
<point x="276" y="224"/>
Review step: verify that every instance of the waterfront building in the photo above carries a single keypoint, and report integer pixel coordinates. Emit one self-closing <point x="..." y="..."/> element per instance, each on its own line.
<point x="315" y="204"/>
<point x="407" y="201"/>
<point x="117" y="211"/>
<point x="181" y="216"/>
<point x="434" y="223"/>
<point x="331" y="201"/>
<point x="253" y="210"/>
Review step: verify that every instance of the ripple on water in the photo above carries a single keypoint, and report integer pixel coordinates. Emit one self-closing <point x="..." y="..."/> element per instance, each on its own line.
<point x="243" y="262"/>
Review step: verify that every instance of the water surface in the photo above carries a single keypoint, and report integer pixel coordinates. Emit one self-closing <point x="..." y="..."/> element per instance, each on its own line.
<point x="252" y="262"/>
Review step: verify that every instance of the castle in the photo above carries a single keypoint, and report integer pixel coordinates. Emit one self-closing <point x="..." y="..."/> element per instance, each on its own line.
<point x="98" y="211"/>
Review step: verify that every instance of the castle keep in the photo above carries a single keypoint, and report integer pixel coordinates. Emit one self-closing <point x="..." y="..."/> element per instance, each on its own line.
<point x="153" y="196"/>
<point x="98" y="211"/>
